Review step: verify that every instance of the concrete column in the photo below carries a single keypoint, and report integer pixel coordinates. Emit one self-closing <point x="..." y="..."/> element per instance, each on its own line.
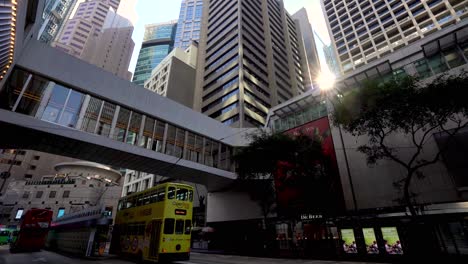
<point x="166" y="128"/>
<point x="84" y="106"/>
<point x="45" y="99"/>
<point x="114" y="121"/>
<point x="99" y="117"/>
<point x="140" y="141"/>
<point x="25" y="86"/>
<point x="89" y="249"/>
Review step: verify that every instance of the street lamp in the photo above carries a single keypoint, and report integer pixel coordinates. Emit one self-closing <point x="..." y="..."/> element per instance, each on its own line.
<point x="326" y="82"/>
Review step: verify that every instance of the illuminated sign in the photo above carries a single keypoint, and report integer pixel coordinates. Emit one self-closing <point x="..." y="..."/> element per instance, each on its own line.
<point x="180" y="212"/>
<point x="392" y="240"/>
<point x="370" y="240"/>
<point x="19" y="213"/>
<point x="349" y="241"/>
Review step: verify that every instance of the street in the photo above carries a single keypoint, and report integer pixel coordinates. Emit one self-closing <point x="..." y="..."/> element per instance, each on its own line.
<point x="53" y="258"/>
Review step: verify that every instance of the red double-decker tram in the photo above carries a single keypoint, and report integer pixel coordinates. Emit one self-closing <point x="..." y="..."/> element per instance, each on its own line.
<point x="33" y="231"/>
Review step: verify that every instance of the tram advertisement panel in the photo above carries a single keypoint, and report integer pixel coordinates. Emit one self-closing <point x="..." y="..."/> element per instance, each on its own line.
<point x="392" y="241"/>
<point x="348" y="240"/>
<point x="370" y="240"/>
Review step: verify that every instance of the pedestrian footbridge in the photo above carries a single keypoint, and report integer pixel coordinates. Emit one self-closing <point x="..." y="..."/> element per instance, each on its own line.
<point x="55" y="103"/>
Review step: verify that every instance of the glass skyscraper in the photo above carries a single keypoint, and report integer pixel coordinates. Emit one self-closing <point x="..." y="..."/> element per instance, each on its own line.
<point x="188" y="26"/>
<point x="158" y="41"/>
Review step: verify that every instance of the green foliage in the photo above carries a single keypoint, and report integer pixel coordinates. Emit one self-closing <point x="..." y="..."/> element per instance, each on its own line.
<point x="410" y="108"/>
<point x="260" y="159"/>
<point x="258" y="162"/>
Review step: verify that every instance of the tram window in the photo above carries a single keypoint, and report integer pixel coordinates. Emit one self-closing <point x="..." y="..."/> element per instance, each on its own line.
<point x="191" y="195"/>
<point x="182" y="194"/>
<point x="188" y="226"/>
<point x="179" y="227"/>
<point x="141" y="229"/>
<point x="171" y="193"/>
<point x="154" y="197"/>
<point x="161" y="194"/>
<point x="169" y="226"/>
<point x="129" y="204"/>
<point x="120" y="207"/>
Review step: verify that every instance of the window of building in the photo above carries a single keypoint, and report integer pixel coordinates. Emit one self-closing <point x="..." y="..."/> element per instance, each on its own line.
<point x="39" y="194"/>
<point x="61" y="212"/>
<point x="19" y="213"/>
<point x="26" y="195"/>
<point x="66" y="194"/>
<point x="28" y="176"/>
<point x="32" y="167"/>
<point x="52" y="194"/>
<point x="37" y="157"/>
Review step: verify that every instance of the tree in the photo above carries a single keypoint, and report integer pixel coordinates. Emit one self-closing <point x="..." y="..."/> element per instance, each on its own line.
<point x="408" y="107"/>
<point x="260" y="161"/>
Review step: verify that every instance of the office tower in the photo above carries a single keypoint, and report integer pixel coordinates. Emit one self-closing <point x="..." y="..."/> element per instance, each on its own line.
<point x="158" y="41"/>
<point x="251" y="58"/>
<point x="101" y="35"/>
<point x="174" y="77"/>
<point x="112" y="49"/>
<point x="86" y="23"/>
<point x="188" y="26"/>
<point x="56" y="12"/>
<point x="307" y="34"/>
<point x="331" y="60"/>
<point x="363" y="31"/>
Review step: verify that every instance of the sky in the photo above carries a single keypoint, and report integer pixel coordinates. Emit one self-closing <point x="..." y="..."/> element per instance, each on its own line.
<point x="156" y="11"/>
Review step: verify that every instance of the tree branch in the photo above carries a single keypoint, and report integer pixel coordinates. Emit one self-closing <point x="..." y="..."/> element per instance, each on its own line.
<point x="437" y="157"/>
<point x="389" y="154"/>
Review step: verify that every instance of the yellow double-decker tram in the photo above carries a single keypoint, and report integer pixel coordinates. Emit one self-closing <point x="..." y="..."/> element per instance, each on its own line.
<point x="155" y="225"/>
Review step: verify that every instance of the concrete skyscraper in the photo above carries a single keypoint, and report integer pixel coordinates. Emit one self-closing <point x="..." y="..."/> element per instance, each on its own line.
<point x="363" y="31"/>
<point x="86" y="23"/>
<point x="188" y="26"/>
<point x="100" y="33"/>
<point x="55" y="13"/>
<point x="307" y="35"/>
<point x="112" y="49"/>
<point x="158" y="41"/>
<point x="251" y="58"/>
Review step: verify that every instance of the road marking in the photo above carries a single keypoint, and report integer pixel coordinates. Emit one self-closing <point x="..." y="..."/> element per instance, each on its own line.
<point x="40" y="260"/>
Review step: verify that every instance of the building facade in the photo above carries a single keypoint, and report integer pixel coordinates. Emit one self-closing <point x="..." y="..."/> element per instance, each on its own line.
<point x="100" y="33"/>
<point x="331" y="60"/>
<point x="73" y="187"/>
<point x="189" y="23"/>
<point x="112" y="49"/>
<point x="251" y="58"/>
<point x="86" y="23"/>
<point x="56" y="12"/>
<point x="166" y="79"/>
<point x="443" y="52"/>
<point x="312" y="57"/>
<point x="158" y="41"/>
<point x="364" y="31"/>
